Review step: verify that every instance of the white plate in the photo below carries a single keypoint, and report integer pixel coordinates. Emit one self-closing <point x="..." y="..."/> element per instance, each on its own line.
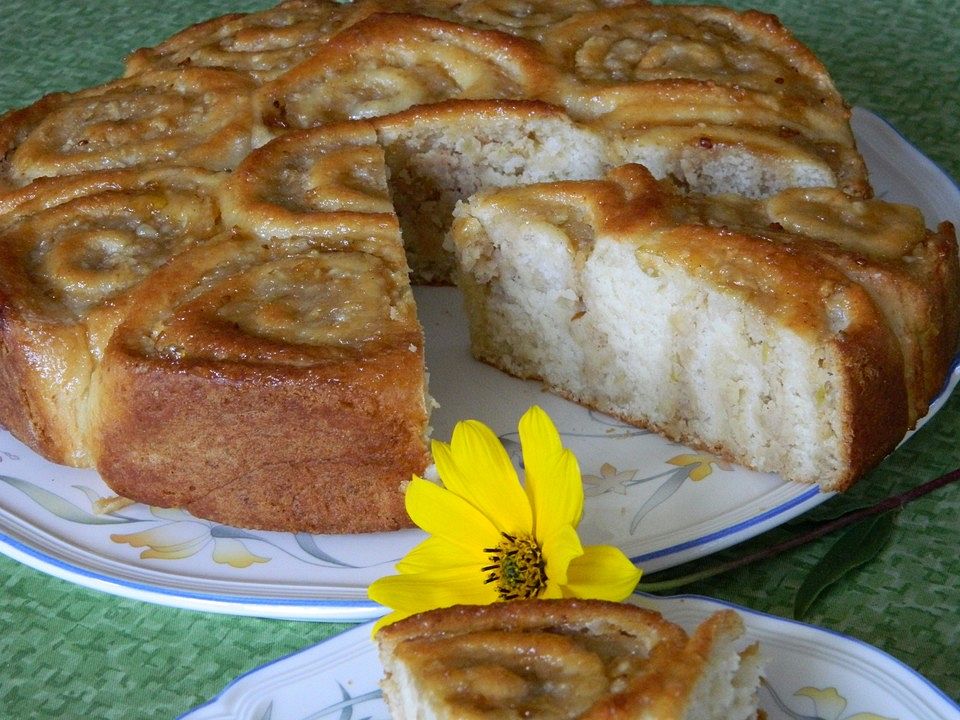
<point x="661" y="503"/>
<point x="810" y="673"/>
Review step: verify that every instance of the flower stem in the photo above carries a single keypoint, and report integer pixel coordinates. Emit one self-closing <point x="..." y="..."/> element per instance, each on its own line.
<point x="824" y="528"/>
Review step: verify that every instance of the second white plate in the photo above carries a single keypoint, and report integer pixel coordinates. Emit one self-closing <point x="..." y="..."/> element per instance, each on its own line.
<point x="810" y="673"/>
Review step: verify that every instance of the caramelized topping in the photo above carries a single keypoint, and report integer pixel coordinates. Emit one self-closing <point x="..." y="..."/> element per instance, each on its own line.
<point x="871" y="227"/>
<point x="332" y="299"/>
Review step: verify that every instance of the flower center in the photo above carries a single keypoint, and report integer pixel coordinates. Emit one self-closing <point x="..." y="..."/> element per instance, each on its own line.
<point x="518" y="567"/>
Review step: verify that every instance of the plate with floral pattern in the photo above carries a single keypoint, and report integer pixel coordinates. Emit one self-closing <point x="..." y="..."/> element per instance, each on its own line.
<point x="661" y="503"/>
<point x="810" y="673"/>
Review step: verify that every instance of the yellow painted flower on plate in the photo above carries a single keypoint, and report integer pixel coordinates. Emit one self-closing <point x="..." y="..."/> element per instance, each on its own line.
<point x="184" y="537"/>
<point x="703" y="464"/>
<point x="492" y="538"/>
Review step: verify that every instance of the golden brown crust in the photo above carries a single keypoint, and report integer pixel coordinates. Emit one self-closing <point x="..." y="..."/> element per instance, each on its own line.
<point x="636" y="68"/>
<point x="191" y="117"/>
<point x="44" y="370"/>
<point x="262" y="45"/>
<point x="557" y="659"/>
<point x="388" y="63"/>
<point x="15" y="126"/>
<point x="327" y="182"/>
<point x="194" y="402"/>
<point x="70" y="254"/>
<point x="646" y="625"/>
<point x="215" y="438"/>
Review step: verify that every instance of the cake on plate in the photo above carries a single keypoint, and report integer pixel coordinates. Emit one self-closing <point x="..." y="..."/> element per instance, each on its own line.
<point x="205" y="291"/>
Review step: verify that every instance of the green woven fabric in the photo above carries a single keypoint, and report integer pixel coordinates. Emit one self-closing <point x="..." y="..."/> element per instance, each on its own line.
<point x="67" y="652"/>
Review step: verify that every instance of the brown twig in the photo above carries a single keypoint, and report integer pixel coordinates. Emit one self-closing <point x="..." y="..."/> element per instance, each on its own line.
<point x="824" y="528"/>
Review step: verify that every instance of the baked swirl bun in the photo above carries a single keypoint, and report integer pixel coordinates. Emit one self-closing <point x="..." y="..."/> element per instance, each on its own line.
<point x="303" y="182"/>
<point x="262" y="45"/>
<point x="203" y="264"/>
<point x="194" y="398"/>
<point x="191" y="117"/>
<point x="566" y="659"/>
<point x="389" y="63"/>
<point x="803" y="334"/>
<point x="71" y="251"/>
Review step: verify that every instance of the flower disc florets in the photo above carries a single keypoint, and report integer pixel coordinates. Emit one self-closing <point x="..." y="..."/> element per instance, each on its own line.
<point x="518" y="568"/>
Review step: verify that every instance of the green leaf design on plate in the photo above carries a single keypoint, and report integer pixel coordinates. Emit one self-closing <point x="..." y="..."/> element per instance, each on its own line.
<point x="308" y="544"/>
<point x="58" y="506"/>
<point x="856" y="547"/>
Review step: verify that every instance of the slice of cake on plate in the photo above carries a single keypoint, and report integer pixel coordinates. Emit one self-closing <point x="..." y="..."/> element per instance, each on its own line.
<point x="542" y="659"/>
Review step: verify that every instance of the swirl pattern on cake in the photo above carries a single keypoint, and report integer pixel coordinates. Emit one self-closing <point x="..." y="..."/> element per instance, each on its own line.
<point x="191" y="117"/>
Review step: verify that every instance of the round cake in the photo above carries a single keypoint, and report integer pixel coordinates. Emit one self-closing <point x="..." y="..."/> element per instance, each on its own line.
<point x="205" y="288"/>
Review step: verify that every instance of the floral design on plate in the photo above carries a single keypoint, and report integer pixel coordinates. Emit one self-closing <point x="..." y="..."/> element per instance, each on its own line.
<point x="171" y="534"/>
<point x="828" y="704"/>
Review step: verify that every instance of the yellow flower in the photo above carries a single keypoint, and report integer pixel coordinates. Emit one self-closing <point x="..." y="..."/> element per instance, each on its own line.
<point x="492" y="538"/>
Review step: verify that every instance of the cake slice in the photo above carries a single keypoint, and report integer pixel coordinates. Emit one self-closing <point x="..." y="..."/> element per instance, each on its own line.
<point x="766" y="332"/>
<point x="540" y="659"/>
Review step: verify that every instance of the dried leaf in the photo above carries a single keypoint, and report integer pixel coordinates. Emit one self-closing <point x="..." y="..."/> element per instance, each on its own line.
<point x="856" y="547"/>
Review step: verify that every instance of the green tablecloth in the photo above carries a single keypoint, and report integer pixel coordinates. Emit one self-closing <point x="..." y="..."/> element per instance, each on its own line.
<point x="66" y="651"/>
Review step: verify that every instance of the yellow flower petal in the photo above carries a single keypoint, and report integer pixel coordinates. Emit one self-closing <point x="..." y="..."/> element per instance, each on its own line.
<point x="559" y="500"/>
<point x="476" y="467"/>
<point x="552" y="475"/>
<point x="441" y="513"/>
<point x="416" y="592"/>
<point x="538" y="431"/>
<point x="483" y="505"/>
<point x="602" y="572"/>
<point x="559" y="549"/>
<point x="435" y="553"/>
